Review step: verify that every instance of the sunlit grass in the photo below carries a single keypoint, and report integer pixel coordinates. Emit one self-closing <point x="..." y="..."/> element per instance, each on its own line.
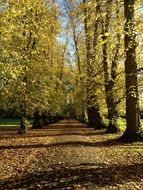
<point x="120" y="122"/>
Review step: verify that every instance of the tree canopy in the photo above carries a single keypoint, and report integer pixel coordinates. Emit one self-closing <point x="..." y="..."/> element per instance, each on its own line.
<point x="79" y="58"/>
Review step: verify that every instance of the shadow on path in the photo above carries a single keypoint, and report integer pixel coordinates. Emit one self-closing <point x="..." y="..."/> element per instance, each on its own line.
<point x="67" y="177"/>
<point x="50" y="134"/>
<point x="107" y="143"/>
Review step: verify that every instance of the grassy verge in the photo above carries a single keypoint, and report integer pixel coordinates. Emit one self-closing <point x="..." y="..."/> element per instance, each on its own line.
<point x="121" y="123"/>
<point x="6" y="122"/>
<point x="11" y="123"/>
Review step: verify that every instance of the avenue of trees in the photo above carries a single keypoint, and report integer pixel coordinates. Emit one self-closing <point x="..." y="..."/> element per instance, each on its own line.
<point x="76" y="58"/>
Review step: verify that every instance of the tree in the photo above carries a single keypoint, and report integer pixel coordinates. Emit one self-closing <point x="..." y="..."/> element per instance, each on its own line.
<point x="93" y="109"/>
<point x="75" y="28"/>
<point x="110" y="70"/>
<point x="133" y="131"/>
<point x="26" y="58"/>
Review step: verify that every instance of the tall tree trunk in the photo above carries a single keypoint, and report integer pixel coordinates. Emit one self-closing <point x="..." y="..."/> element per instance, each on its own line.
<point x="80" y="80"/>
<point x="112" y="103"/>
<point x="133" y="131"/>
<point x="109" y="79"/>
<point x="93" y="110"/>
<point x="112" y="110"/>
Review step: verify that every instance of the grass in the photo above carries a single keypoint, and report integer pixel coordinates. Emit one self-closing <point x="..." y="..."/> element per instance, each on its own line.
<point x="14" y="123"/>
<point x="121" y="122"/>
<point x="10" y="123"/>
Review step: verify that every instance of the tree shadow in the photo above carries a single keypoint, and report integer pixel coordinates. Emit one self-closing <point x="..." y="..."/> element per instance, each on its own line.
<point x="50" y="134"/>
<point x="106" y="143"/>
<point x="67" y="177"/>
<point x="62" y="126"/>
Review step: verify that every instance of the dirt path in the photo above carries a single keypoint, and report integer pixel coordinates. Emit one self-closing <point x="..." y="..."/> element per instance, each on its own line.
<point x="68" y="155"/>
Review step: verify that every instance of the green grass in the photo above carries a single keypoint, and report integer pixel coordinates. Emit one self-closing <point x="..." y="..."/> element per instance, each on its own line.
<point x="14" y="123"/>
<point x="121" y="123"/>
<point x="11" y="123"/>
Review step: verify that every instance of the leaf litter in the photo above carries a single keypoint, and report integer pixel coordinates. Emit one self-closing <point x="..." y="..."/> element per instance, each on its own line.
<point x="75" y="158"/>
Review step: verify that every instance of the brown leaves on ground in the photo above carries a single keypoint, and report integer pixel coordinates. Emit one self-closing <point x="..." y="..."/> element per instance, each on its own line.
<point x="17" y="151"/>
<point x="66" y="156"/>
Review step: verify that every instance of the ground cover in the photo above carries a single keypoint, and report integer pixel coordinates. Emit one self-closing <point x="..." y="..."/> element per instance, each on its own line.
<point x="68" y="155"/>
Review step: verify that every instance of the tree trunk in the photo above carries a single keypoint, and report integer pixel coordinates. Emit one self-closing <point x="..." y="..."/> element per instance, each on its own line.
<point x="112" y="110"/>
<point x="23" y="121"/>
<point x="109" y="80"/>
<point x="94" y="118"/>
<point x="45" y="119"/>
<point x="37" y="124"/>
<point x="93" y="110"/>
<point x="133" y="130"/>
<point x="111" y="94"/>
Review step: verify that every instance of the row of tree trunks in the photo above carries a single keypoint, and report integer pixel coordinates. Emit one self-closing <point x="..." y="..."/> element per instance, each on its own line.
<point x="133" y="130"/>
<point x="44" y="119"/>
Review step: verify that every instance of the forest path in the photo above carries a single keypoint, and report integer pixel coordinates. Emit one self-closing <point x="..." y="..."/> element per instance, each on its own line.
<point x="68" y="155"/>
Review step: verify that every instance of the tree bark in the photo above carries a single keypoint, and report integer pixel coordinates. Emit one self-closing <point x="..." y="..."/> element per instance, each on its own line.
<point x="133" y="131"/>
<point x="109" y="79"/>
<point x="93" y="110"/>
<point x="112" y="110"/>
<point x="23" y="121"/>
<point x="112" y="103"/>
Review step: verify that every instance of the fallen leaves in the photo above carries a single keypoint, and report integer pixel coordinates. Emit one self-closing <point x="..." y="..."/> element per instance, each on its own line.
<point x="63" y="159"/>
<point x="17" y="153"/>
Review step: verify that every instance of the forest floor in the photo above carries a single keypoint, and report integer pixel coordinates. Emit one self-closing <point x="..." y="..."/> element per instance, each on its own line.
<point x="67" y="155"/>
